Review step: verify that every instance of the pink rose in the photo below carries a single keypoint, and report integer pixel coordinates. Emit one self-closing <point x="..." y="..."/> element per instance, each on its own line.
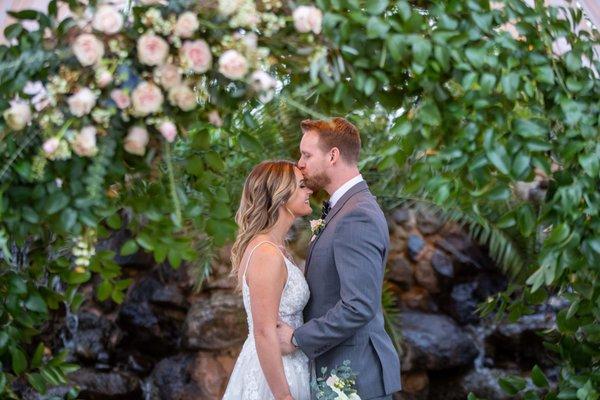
<point x="233" y="65"/>
<point x="214" y="118"/>
<point x="152" y="49"/>
<point x="18" y="115"/>
<point x="168" y="130"/>
<point x="182" y="97"/>
<point x="82" y="102"/>
<point x="167" y="75"/>
<point x="262" y="81"/>
<point x="51" y="145"/>
<point x="103" y="78"/>
<point x="195" y="55"/>
<point x="146" y="98"/>
<point x="88" y="49"/>
<point x="121" y="98"/>
<point x="108" y="20"/>
<point x="136" y="141"/>
<point x="307" y="19"/>
<point x="186" y="25"/>
<point x="84" y="144"/>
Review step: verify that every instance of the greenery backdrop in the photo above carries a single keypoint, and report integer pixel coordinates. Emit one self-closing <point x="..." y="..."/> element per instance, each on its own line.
<point x="456" y="101"/>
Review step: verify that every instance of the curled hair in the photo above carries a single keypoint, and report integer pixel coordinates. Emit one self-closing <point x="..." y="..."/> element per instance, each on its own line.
<point x="268" y="187"/>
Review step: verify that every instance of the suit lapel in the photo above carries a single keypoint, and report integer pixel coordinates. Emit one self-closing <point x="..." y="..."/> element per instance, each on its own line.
<point x="359" y="187"/>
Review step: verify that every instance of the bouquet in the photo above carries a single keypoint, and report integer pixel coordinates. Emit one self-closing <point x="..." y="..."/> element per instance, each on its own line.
<point x="339" y="385"/>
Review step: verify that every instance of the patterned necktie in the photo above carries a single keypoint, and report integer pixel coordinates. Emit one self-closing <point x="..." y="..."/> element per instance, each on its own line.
<point x="325" y="209"/>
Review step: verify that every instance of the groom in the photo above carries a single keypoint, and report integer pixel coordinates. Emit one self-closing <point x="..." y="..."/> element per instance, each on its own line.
<point x="344" y="266"/>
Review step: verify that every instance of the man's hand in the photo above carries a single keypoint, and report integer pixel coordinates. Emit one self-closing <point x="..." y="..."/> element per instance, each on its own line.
<point x="284" y="333"/>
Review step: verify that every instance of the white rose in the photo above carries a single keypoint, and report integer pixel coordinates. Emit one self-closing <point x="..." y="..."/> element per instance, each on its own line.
<point x="50" y="146"/>
<point x="82" y="102"/>
<point x="233" y="65"/>
<point x="354" y="396"/>
<point x="228" y="7"/>
<point x="18" y="115"/>
<point x="103" y="78"/>
<point x="88" y="49"/>
<point x="168" y="130"/>
<point x="152" y="2"/>
<point x="262" y="81"/>
<point x="84" y="144"/>
<point x="307" y="19"/>
<point x="108" y="20"/>
<point x="152" y="49"/>
<point x="146" y="98"/>
<point x="195" y="55"/>
<point x="186" y="25"/>
<point x="167" y="75"/>
<point x="121" y="98"/>
<point x="136" y="141"/>
<point x="214" y="118"/>
<point x="183" y="97"/>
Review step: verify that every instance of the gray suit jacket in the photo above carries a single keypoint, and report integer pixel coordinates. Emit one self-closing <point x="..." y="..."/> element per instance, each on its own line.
<point x="343" y="318"/>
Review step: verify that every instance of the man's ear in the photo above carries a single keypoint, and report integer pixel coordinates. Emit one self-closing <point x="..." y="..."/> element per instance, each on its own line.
<point x="334" y="155"/>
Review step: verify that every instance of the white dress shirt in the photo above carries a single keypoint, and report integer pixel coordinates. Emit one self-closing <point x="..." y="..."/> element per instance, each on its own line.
<point x="343" y="189"/>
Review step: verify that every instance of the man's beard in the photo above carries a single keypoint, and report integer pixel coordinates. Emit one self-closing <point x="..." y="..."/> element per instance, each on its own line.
<point x="317" y="181"/>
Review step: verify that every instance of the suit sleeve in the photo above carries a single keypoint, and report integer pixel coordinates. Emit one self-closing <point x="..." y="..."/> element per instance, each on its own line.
<point x="358" y="249"/>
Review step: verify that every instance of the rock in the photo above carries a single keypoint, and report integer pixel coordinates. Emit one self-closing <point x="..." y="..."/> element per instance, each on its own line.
<point x="401" y="215"/>
<point x="100" y="385"/>
<point x="519" y="344"/>
<point x="94" y="337"/>
<point x="152" y="315"/>
<point x="425" y="276"/>
<point x="462" y="304"/>
<point x="415" y="386"/>
<point x="415" y="245"/>
<point x="416" y="298"/>
<point x="210" y="374"/>
<point x="435" y="342"/>
<point x="428" y="222"/>
<point x="442" y="264"/>
<point x="399" y="271"/>
<point x="216" y="323"/>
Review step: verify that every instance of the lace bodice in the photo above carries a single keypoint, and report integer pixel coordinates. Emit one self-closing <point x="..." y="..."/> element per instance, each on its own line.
<point x="293" y="299"/>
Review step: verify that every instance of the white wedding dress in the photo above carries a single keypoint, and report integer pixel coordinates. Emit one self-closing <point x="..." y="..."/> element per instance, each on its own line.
<point x="247" y="381"/>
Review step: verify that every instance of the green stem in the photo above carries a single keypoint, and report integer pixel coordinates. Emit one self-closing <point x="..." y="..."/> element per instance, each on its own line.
<point x="169" y="163"/>
<point x="303" y="108"/>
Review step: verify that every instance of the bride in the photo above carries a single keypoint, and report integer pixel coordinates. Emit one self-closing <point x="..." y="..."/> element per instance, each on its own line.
<point x="272" y="287"/>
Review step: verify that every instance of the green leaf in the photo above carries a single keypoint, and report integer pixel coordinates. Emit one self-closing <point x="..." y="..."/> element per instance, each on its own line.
<point x="370" y="86"/>
<point x="476" y="56"/>
<point x="194" y="166"/>
<point x="129" y="247"/>
<point x="377" y="28"/>
<point x="510" y="84"/>
<point x="376" y="7"/>
<point x="544" y="74"/>
<point x="68" y="218"/>
<point x="487" y="82"/>
<point x="114" y="221"/>
<point x="558" y="235"/>
<point x="19" y="361"/>
<point x="538" y="377"/>
<point x="17" y="285"/>
<point x="36" y="360"/>
<point x="421" y="49"/>
<point x="174" y="258"/>
<point x="56" y="202"/>
<point x="37" y="381"/>
<point x="499" y="157"/>
<point x="104" y="290"/>
<point x="528" y="128"/>
<point x="512" y="384"/>
<point x="429" y="114"/>
<point x="2" y="381"/>
<point x="36" y="303"/>
<point x="145" y="241"/>
<point x="214" y="161"/>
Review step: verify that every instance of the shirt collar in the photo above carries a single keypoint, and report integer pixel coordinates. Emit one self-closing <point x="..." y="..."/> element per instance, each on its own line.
<point x="343" y="189"/>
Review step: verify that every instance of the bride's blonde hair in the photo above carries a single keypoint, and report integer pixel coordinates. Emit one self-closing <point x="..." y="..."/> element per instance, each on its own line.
<point x="268" y="187"/>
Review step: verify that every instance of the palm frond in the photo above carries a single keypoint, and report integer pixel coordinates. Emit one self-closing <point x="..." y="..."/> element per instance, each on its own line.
<point x="391" y="316"/>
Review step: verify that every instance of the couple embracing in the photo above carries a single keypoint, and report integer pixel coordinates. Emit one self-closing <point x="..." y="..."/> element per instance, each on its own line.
<point x="303" y="320"/>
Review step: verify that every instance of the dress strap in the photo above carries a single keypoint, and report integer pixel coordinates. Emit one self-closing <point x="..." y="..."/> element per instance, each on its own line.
<point x="252" y="252"/>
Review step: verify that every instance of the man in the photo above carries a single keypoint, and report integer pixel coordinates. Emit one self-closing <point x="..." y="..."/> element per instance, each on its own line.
<point x="344" y="266"/>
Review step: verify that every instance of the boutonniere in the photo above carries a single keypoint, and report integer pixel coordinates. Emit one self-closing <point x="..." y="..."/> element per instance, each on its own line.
<point x="316" y="226"/>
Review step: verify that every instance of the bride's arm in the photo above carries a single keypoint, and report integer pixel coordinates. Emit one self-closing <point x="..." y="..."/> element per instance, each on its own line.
<point x="266" y="277"/>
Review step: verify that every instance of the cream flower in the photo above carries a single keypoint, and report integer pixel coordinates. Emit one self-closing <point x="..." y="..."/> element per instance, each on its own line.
<point x="136" y="141"/>
<point x="82" y="102"/>
<point x="228" y="7"/>
<point x="51" y="145"/>
<point x="108" y="20"/>
<point x="233" y="65"/>
<point x="186" y="25"/>
<point x="167" y="75"/>
<point x="121" y="98"/>
<point x="84" y="143"/>
<point x="307" y="19"/>
<point x="88" y="49"/>
<point x="146" y="98"/>
<point x="183" y="97"/>
<point x="168" y="130"/>
<point x="18" y="115"/>
<point x="152" y="49"/>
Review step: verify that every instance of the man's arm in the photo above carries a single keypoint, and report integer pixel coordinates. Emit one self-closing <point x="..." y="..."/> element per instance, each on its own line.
<point x="358" y="249"/>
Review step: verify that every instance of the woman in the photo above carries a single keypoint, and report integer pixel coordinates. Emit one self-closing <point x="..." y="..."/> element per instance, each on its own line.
<point x="273" y="288"/>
